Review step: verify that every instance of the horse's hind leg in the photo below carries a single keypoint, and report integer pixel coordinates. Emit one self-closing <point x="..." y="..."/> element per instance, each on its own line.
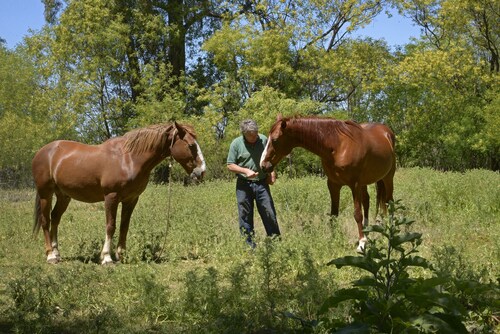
<point x="55" y="218"/>
<point x="385" y="190"/>
<point x="366" y="204"/>
<point x="389" y="186"/>
<point x="111" y="205"/>
<point x="43" y="205"/>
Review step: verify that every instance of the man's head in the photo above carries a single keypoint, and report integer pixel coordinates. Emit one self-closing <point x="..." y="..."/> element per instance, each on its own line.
<point x="250" y="130"/>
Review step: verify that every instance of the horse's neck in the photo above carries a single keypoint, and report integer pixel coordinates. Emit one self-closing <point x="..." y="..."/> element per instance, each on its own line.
<point x="149" y="159"/>
<point x="312" y="139"/>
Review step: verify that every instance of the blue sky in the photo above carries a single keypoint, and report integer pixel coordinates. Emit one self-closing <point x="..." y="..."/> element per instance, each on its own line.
<point x="17" y="17"/>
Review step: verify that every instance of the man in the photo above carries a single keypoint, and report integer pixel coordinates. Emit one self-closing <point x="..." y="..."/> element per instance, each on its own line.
<point x="252" y="183"/>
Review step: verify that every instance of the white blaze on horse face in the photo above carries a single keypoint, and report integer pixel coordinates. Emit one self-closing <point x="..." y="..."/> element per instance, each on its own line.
<point x="263" y="156"/>
<point x="200" y="155"/>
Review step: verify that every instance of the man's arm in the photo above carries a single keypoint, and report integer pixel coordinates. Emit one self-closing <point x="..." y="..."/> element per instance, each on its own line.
<point x="250" y="174"/>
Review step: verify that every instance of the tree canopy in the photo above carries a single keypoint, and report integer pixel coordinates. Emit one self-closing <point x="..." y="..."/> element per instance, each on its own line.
<point x="99" y="68"/>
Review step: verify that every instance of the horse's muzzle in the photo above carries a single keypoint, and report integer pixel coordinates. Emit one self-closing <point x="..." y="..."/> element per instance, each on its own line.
<point x="267" y="167"/>
<point x="198" y="174"/>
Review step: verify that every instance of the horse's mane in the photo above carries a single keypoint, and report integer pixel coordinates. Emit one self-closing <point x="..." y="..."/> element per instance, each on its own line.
<point x="338" y="127"/>
<point x="151" y="137"/>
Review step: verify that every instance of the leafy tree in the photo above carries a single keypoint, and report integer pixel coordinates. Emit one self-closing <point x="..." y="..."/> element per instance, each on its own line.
<point x="347" y="79"/>
<point x="296" y="49"/>
<point x="100" y="67"/>
<point x="445" y="22"/>
<point x="110" y="53"/>
<point x="25" y="117"/>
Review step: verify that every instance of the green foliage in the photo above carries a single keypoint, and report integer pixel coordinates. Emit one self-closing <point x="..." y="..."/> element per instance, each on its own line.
<point x="470" y="285"/>
<point x="24" y="123"/>
<point x="160" y="102"/>
<point x="99" y="68"/>
<point x="439" y="108"/>
<point x="197" y="275"/>
<point x="389" y="299"/>
<point x="265" y="105"/>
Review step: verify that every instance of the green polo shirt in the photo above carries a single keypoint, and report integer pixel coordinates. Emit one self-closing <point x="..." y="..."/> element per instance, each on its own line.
<point x="247" y="155"/>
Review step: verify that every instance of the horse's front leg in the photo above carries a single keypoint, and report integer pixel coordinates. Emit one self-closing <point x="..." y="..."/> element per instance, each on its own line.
<point x="335" y="197"/>
<point x="357" y="196"/>
<point x="127" y="209"/>
<point x="111" y="206"/>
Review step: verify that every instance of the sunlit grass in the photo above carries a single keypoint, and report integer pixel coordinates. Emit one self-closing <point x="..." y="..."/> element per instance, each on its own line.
<point x="187" y="269"/>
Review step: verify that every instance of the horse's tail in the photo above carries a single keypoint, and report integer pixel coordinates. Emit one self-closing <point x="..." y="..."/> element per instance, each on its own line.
<point x="381" y="197"/>
<point x="384" y="195"/>
<point x="37" y="215"/>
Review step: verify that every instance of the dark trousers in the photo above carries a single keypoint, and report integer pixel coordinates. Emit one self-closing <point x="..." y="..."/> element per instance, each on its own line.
<point x="248" y="193"/>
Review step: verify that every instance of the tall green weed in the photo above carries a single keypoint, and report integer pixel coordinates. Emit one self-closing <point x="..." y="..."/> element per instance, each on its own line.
<point x="187" y="270"/>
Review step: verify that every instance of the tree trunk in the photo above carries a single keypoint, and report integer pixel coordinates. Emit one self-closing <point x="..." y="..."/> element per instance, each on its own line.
<point x="177" y="45"/>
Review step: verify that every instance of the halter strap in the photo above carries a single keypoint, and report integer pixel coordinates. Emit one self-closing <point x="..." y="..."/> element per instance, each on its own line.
<point x="173" y="138"/>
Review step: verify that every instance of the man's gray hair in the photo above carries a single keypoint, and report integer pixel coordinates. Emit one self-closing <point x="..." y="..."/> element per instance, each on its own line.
<point x="248" y="125"/>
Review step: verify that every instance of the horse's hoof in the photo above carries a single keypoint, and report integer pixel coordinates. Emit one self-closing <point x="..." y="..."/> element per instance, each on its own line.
<point x="107" y="263"/>
<point x="53" y="258"/>
<point x="361" y="245"/>
<point x="106" y="259"/>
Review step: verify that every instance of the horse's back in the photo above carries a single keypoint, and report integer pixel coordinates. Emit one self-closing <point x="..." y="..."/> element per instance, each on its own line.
<point x="69" y="167"/>
<point x="42" y="162"/>
<point x="48" y="156"/>
<point x="378" y="136"/>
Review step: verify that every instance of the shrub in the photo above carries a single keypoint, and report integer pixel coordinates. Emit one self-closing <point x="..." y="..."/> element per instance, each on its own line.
<point x="388" y="299"/>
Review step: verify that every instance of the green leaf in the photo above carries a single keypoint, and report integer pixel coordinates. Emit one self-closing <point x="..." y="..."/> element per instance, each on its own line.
<point x="386" y="262"/>
<point x="402" y="238"/>
<point x="428" y="283"/>
<point x="368" y="281"/>
<point x="354" y="329"/>
<point x="437" y="323"/>
<point x="432" y="297"/>
<point x="416" y="261"/>
<point x="377" y="229"/>
<point x="404" y="221"/>
<point x="343" y="295"/>
<point x="356" y="261"/>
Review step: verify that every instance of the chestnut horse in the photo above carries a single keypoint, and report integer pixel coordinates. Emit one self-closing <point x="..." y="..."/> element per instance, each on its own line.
<point x="116" y="171"/>
<point x="352" y="154"/>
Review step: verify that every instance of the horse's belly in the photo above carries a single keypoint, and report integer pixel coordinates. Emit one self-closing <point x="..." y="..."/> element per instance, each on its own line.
<point x="87" y="193"/>
<point x="376" y="171"/>
<point x="363" y="172"/>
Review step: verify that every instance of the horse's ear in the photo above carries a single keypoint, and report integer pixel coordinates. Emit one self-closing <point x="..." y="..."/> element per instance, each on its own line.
<point x="279" y="117"/>
<point x="180" y="129"/>
<point x="283" y="124"/>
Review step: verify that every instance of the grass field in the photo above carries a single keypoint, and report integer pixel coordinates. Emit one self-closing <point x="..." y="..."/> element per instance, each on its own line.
<point x="188" y="271"/>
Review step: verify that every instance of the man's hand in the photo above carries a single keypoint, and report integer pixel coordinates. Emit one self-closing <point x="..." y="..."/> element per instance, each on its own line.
<point x="250" y="174"/>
